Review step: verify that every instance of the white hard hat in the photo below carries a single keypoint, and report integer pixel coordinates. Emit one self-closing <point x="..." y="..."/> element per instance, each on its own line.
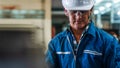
<point x="78" y="4"/>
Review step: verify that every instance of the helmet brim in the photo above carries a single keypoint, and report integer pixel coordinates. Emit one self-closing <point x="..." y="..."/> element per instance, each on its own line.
<point x="79" y="8"/>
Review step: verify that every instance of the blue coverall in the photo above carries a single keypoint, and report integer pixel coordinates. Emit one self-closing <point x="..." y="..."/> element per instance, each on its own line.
<point x="97" y="49"/>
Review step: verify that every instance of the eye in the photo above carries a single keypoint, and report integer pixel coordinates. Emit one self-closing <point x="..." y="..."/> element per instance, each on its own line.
<point x="72" y="11"/>
<point x="83" y="11"/>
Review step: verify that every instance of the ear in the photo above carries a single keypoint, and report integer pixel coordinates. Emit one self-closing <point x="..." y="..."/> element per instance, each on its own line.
<point x="66" y="12"/>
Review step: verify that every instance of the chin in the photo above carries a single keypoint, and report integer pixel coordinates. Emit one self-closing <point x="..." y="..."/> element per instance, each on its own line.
<point x="80" y="27"/>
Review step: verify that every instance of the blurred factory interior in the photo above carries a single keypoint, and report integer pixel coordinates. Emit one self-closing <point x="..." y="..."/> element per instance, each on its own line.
<point x="26" y="27"/>
<point x="25" y="30"/>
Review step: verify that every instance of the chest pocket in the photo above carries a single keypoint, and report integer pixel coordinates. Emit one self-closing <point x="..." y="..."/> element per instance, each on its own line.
<point x="92" y="52"/>
<point x="63" y="56"/>
<point x="93" y="57"/>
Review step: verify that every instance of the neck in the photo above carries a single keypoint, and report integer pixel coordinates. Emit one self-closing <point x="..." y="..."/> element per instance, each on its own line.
<point x="77" y="34"/>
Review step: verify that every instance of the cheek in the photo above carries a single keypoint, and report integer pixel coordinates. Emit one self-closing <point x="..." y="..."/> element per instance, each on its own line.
<point x="71" y="18"/>
<point x="86" y="17"/>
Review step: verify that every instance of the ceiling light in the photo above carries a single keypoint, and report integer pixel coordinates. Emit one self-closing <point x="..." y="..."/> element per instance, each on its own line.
<point x="118" y="13"/>
<point x="98" y="1"/>
<point x="96" y="11"/>
<point x="108" y="5"/>
<point x="116" y="1"/>
<point x="101" y="8"/>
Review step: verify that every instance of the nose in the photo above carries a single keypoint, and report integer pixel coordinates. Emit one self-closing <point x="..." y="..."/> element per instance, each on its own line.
<point x="78" y="14"/>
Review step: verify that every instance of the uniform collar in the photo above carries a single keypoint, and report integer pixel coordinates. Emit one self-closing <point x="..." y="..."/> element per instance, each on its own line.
<point x="91" y="29"/>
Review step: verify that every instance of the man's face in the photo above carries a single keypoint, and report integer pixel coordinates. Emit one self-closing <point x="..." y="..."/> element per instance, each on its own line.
<point x="78" y="19"/>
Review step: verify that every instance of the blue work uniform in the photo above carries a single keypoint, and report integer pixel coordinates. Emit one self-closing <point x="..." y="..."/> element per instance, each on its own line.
<point x="96" y="49"/>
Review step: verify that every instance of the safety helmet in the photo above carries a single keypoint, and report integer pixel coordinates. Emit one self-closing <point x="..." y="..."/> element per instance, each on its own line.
<point x="77" y="4"/>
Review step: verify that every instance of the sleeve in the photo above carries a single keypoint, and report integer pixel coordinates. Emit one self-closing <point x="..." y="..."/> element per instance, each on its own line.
<point x="51" y="58"/>
<point x="117" y="58"/>
<point x="112" y="55"/>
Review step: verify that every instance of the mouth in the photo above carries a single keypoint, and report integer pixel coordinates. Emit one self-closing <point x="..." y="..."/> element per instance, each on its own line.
<point x="78" y="22"/>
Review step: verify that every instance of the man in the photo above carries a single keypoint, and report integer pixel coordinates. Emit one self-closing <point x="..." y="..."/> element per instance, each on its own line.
<point x="82" y="45"/>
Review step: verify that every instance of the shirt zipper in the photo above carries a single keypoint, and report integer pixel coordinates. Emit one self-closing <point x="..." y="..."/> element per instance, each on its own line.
<point x="82" y="36"/>
<point x="71" y="48"/>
